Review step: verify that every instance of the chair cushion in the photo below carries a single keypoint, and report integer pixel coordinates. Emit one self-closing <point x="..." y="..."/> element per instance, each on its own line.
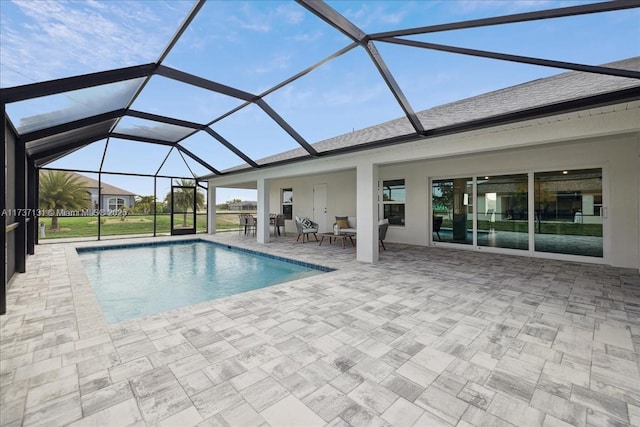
<point x="306" y="223"/>
<point x="342" y="221"/>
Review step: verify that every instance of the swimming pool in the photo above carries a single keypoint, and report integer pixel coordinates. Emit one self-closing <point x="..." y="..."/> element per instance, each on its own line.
<point x="136" y="280"/>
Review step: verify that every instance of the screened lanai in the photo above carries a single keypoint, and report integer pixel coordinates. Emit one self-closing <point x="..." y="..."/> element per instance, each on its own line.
<point x="212" y="88"/>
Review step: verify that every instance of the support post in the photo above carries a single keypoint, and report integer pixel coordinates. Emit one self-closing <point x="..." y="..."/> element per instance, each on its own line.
<point x="367" y="212"/>
<point x="263" y="230"/>
<point x="20" y="185"/>
<point x="32" y="206"/>
<point x="211" y="209"/>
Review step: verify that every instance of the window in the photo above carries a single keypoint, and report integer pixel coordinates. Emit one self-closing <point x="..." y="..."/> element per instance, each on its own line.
<point x="115" y="203"/>
<point x="393" y="199"/>
<point x="287" y="203"/>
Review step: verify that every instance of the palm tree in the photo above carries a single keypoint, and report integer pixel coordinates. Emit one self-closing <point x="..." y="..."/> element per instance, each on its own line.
<point x="145" y="204"/>
<point x="184" y="198"/>
<point x="62" y="190"/>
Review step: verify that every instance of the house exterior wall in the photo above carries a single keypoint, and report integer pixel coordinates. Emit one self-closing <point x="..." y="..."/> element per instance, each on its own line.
<point x="603" y="137"/>
<point x="341" y="195"/>
<point x="615" y="154"/>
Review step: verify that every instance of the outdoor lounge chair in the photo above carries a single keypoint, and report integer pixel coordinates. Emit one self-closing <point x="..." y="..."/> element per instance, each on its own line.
<point x="305" y="227"/>
<point x="383" y="225"/>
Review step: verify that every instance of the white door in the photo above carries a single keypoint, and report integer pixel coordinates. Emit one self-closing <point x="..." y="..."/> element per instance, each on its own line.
<point x="320" y="207"/>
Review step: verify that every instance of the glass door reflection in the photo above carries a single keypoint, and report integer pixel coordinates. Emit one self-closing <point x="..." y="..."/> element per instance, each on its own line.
<point x="503" y="212"/>
<point x="452" y="201"/>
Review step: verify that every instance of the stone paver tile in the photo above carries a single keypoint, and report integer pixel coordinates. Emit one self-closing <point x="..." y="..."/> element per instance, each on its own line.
<point x="551" y="421"/>
<point x="258" y="355"/>
<point x="634" y="414"/>
<point x="476" y="395"/>
<point x="93" y="382"/>
<point x="224" y="370"/>
<point x="195" y="382"/>
<point x="483" y="359"/>
<point x="373" y="348"/>
<point x="599" y="402"/>
<point x="450" y="382"/>
<point x="418" y="374"/>
<point x="347" y="381"/>
<point x="442" y="404"/>
<point x="248" y="378"/>
<point x="402" y="413"/>
<point x="218" y="351"/>
<point x="526" y="371"/>
<point x="615" y="333"/>
<point x="373" y="396"/>
<point x="298" y="385"/>
<point x="281" y="367"/>
<point x="291" y="412"/>
<point x="60" y="411"/>
<point x="510" y="384"/>
<point x="125" y="413"/>
<point x="164" y="402"/>
<point x="264" y="393"/>
<point x="515" y="411"/>
<point x="185" y="418"/>
<point x="130" y="369"/>
<point x="432" y="359"/>
<point x="372" y="369"/>
<point x="241" y="414"/>
<point x="328" y="402"/>
<point x="360" y="416"/>
<point x="34" y="369"/>
<point x="52" y="390"/>
<point x="171" y="354"/>
<point x="477" y="417"/>
<point x="567" y="372"/>
<point x="106" y="397"/>
<point x="12" y="413"/>
<point x="403" y="387"/>
<point x="216" y="399"/>
<point x="562" y="409"/>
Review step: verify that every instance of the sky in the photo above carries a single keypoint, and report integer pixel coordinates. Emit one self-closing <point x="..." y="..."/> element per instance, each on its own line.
<point x="255" y="45"/>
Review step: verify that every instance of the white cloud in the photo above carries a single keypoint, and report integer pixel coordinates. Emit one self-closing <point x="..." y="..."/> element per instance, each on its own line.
<point x="45" y="40"/>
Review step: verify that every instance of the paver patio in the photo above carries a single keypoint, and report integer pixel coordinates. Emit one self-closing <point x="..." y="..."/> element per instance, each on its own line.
<point x="425" y="337"/>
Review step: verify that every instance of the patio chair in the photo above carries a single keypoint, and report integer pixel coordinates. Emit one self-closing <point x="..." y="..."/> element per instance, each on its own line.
<point x="305" y="227"/>
<point x="279" y="222"/>
<point x="251" y="225"/>
<point x="242" y="221"/>
<point x="383" y="225"/>
<point x="437" y="223"/>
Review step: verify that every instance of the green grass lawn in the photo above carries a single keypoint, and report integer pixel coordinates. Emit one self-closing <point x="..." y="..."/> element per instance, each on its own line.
<point x="132" y="224"/>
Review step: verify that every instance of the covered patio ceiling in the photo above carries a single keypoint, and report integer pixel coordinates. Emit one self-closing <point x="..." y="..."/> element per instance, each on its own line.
<point x="216" y="120"/>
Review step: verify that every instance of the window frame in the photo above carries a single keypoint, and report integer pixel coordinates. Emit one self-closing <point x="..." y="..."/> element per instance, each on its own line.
<point x="384" y="203"/>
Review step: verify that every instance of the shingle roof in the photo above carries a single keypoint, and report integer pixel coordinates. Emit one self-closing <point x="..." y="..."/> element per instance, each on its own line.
<point x="568" y="86"/>
<point x="107" y="189"/>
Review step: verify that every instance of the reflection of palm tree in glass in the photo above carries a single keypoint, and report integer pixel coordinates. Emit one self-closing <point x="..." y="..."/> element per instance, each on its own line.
<point x="183" y="195"/>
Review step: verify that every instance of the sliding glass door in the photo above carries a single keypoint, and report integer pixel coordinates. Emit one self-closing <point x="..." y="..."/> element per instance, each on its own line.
<point x="453" y="210"/>
<point x="502" y="211"/>
<point x="565" y="211"/>
<point x="569" y="212"/>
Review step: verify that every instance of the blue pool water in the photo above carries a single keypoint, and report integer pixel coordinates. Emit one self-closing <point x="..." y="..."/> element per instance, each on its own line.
<point x="138" y="280"/>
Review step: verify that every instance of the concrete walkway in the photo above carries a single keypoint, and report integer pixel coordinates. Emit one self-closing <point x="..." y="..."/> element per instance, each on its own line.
<point x="426" y="337"/>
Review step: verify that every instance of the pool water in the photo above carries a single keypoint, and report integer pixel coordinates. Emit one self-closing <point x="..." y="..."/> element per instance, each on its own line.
<point x="138" y="280"/>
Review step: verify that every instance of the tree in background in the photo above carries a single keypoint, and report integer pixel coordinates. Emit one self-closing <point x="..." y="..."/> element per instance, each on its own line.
<point x="184" y="198"/>
<point x="144" y="204"/>
<point x="62" y="190"/>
